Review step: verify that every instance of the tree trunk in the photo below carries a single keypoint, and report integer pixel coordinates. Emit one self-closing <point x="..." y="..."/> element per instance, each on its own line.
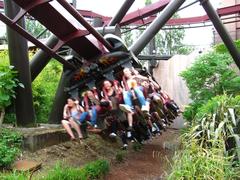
<point x="2" y="114"/>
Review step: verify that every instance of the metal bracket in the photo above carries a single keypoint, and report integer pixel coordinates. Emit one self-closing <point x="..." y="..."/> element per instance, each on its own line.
<point x="91" y="84"/>
<point x="109" y="75"/>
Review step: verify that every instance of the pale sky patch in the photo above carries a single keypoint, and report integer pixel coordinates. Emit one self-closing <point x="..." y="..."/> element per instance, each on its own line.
<point x="199" y="36"/>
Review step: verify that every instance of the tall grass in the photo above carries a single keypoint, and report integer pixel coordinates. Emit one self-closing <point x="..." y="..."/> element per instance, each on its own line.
<point x="14" y="176"/>
<point x="196" y="162"/>
<point x="94" y="170"/>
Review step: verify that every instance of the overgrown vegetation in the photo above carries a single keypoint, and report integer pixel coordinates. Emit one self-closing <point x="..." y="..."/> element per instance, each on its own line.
<point x="209" y="76"/>
<point x="218" y="120"/>
<point x="196" y="162"/>
<point x="211" y="144"/>
<point x="10" y="143"/>
<point x="8" y="83"/>
<point x="44" y="87"/>
<point x="120" y="156"/>
<point x="14" y="176"/>
<point x="94" y="170"/>
<point x="221" y="48"/>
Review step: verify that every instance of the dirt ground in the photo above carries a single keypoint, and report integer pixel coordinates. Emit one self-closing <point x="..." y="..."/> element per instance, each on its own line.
<point x="150" y="163"/>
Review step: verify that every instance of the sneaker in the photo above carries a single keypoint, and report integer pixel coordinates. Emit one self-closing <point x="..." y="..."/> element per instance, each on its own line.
<point x="129" y="134"/>
<point x="144" y="109"/>
<point x="124" y="146"/>
<point x="154" y="129"/>
<point x="112" y="135"/>
<point x="125" y="108"/>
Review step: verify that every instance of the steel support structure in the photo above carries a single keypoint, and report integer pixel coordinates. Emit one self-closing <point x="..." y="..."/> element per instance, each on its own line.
<point x="18" y="55"/>
<point x="155" y="26"/>
<point x="152" y="51"/>
<point x="81" y="19"/>
<point x="10" y="23"/>
<point x="121" y="13"/>
<point x="61" y="96"/>
<point x="56" y="113"/>
<point x="41" y="58"/>
<point x="213" y="16"/>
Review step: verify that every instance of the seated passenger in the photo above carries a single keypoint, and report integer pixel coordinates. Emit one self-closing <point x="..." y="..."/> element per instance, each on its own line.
<point x="73" y="116"/>
<point x="169" y="103"/>
<point x="111" y="93"/>
<point x="91" y="105"/>
<point x="132" y="90"/>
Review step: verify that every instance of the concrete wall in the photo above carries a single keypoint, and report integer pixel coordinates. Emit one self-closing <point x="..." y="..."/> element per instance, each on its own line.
<point x="167" y="75"/>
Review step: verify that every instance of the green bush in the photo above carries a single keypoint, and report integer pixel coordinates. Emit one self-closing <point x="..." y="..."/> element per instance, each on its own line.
<point x="218" y="120"/>
<point x="10" y="143"/>
<point x="196" y="162"/>
<point x="8" y="82"/>
<point x="4" y="60"/>
<point x="209" y="76"/>
<point x="94" y="170"/>
<point x="221" y="48"/>
<point x="44" y="89"/>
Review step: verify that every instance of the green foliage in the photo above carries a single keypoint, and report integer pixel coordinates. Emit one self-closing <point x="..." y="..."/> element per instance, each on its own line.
<point x="93" y="170"/>
<point x="169" y="41"/>
<point x="8" y="82"/>
<point x="35" y="28"/>
<point x="209" y="76"/>
<point x="185" y="50"/>
<point x="196" y="162"/>
<point x="44" y="88"/>
<point x="120" y="156"/>
<point x="217" y="120"/>
<point x="10" y="143"/>
<point x="221" y="48"/>
<point x="4" y="60"/>
<point x="148" y="2"/>
<point x="14" y="176"/>
<point x="127" y="38"/>
<point x="137" y="146"/>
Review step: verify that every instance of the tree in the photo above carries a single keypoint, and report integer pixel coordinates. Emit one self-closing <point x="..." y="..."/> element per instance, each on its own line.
<point x="127" y="38"/>
<point x="35" y="28"/>
<point x="210" y="75"/>
<point x="169" y="41"/>
<point x="148" y="2"/>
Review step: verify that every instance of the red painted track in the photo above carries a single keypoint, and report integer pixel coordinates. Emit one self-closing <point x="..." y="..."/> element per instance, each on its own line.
<point x="144" y="12"/>
<point x="60" y="26"/>
<point x="192" y="20"/>
<point x="139" y="17"/>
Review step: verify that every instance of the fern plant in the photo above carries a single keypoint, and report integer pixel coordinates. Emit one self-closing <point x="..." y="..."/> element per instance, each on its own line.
<point x="8" y="83"/>
<point x="218" y="120"/>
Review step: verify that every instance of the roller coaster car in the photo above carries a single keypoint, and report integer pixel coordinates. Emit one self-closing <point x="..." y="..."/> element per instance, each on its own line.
<point x="108" y="65"/>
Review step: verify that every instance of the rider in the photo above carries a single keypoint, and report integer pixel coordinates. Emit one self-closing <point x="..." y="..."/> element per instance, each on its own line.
<point x="73" y="116"/>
